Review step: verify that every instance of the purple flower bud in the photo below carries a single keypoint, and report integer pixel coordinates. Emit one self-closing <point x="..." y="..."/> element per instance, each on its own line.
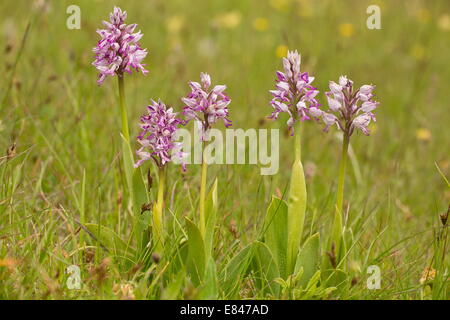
<point x="345" y="82"/>
<point x="206" y="80"/>
<point x="118" y="50"/>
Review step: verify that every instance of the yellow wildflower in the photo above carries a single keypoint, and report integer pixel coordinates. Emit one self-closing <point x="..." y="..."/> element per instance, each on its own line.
<point x="423" y="134"/>
<point x="444" y="22"/>
<point x="261" y="24"/>
<point x="228" y="20"/>
<point x="281" y="51"/>
<point x="346" y="30"/>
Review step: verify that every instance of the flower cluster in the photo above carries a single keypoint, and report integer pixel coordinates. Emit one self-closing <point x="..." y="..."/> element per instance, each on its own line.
<point x="349" y="108"/>
<point x="294" y="93"/>
<point x="118" y="50"/>
<point x="158" y="134"/>
<point x="205" y="105"/>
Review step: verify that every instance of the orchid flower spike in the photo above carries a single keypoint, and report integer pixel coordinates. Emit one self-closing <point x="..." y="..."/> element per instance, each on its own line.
<point x="206" y="105"/>
<point x="294" y="93"/>
<point x="118" y="50"/>
<point x="157" y="138"/>
<point x="349" y="108"/>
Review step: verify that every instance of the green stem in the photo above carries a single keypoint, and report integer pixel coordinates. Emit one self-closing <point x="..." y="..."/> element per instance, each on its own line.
<point x="337" y="224"/>
<point x="158" y="212"/>
<point x="123" y="108"/>
<point x="203" y="193"/>
<point x="127" y="157"/>
<point x="298" y="142"/>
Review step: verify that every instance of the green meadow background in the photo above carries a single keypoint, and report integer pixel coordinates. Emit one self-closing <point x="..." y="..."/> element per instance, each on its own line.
<point x="57" y="126"/>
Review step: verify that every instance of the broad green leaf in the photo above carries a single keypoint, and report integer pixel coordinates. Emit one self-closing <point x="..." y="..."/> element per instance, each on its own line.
<point x="211" y="218"/>
<point x="108" y="239"/>
<point x="265" y="269"/>
<point x="196" y="253"/>
<point x="275" y="228"/>
<point x="309" y="259"/>
<point x="235" y="270"/>
<point x="210" y="289"/>
<point x="296" y="213"/>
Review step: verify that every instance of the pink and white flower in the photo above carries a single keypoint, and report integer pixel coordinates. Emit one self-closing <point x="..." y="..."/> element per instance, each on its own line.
<point x="118" y="50"/>
<point x="348" y="108"/>
<point x="294" y="93"/>
<point x="206" y="105"/>
<point x="157" y="138"/>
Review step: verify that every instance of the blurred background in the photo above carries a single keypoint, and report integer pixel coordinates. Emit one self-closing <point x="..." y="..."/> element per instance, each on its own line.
<point x="64" y="124"/>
